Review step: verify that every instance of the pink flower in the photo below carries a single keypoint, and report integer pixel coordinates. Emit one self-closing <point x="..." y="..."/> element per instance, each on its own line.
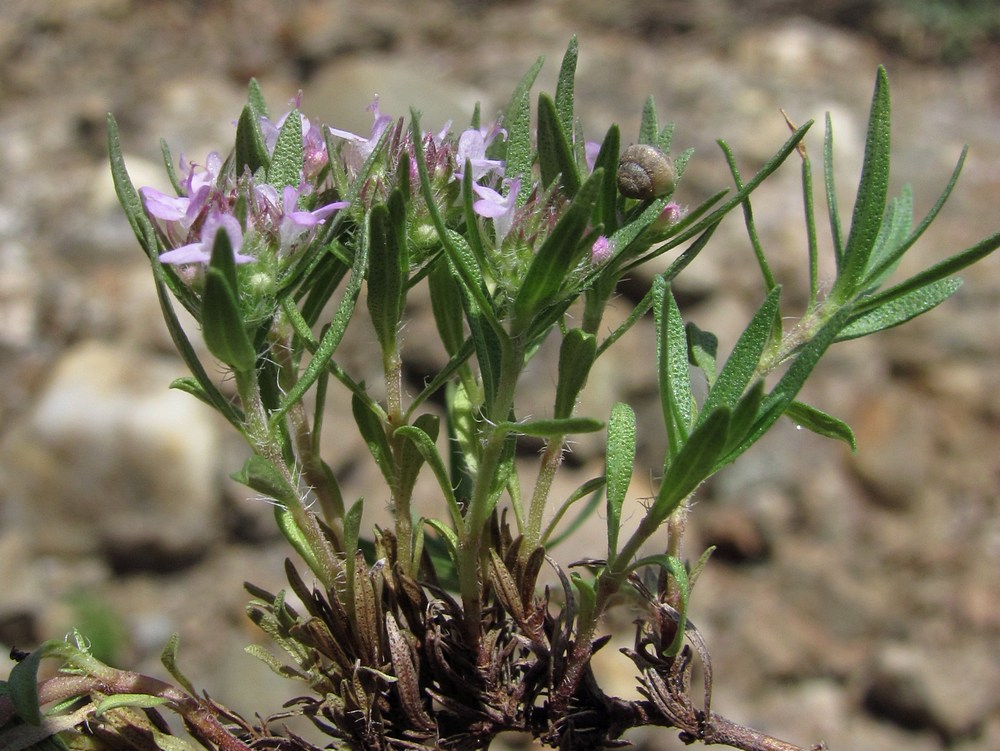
<point x="472" y="145"/>
<point x="497" y="207"/>
<point x="361" y="147"/>
<point x="201" y="251"/>
<point x="601" y="251"/>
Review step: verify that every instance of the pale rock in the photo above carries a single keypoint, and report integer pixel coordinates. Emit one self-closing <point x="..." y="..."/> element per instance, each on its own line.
<point x="110" y="460"/>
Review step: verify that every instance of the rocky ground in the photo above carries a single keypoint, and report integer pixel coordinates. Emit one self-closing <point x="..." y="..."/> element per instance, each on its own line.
<point x="854" y="599"/>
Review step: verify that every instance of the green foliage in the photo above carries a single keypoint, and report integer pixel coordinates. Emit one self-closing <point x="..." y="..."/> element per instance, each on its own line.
<point x="506" y="274"/>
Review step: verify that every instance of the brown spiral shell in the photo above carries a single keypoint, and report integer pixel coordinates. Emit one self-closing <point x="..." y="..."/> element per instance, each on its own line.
<point x="645" y="172"/>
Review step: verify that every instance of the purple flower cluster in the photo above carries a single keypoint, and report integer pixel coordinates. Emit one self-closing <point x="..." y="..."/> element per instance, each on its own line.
<point x="264" y="220"/>
<point x="275" y="220"/>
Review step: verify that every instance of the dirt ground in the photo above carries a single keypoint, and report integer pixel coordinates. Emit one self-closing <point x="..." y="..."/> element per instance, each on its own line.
<point x="854" y="598"/>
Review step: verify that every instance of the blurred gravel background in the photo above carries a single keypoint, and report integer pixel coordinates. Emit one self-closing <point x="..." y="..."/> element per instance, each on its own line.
<point x="854" y="599"/>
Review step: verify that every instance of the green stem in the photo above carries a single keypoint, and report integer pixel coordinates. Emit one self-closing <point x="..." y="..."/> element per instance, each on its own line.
<point x="470" y="553"/>
<point x="330" y="500"/>
<point x="392" y="366"/>
<point x="264" y="442"/>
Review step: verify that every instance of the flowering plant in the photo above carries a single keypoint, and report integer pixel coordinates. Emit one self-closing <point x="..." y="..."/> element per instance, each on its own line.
<point x="436" y="632"/>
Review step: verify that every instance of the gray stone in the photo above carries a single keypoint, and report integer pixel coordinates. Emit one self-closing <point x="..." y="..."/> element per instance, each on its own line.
<point x="111" y="460"/>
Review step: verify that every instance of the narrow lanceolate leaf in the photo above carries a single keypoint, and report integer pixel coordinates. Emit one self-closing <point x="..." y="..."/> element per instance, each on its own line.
<point x="901" y="309"/>
<point x="286" y="162"/>
<point x="565" y="86"/>
<point x="891" y="237"/>
<point x="388" y="265"/>
<point x="321" y="359"/>
<point x="555" y="156"/>
<point x="553" y="428"/>
<point x="821" y="423"/>
<point x="833" y="209"/>
<point x="607" y="159"/>
<point x="676" y="397"/>
<point x="935" y="273"/>
<point x="869" y="206"/>
<point x="261" y="475"/>
<point x="250" y="148"/>
<point x="576" y="356"/>
<point x="517" y="121"/>
<point x="788" y="386"/>
<point x="372" y="430"/>
<point x="256" y="97"/>
<point x="620" y="462"/>
<point x="703" y="347"/>
<point x="560" y="252"/>
<point x="411" y="459"/>
<point x="222" y="323"/>
<point x="424" y="443"/>
<point x="649" y="128"/>
<point x="128" y="197"/>
<point x="693" y="464"/>
<point x="743" y="419"/>
<point x="742" y="363"/>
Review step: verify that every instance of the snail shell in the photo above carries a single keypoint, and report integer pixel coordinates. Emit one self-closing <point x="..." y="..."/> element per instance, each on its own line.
<point x="645" y="172"/>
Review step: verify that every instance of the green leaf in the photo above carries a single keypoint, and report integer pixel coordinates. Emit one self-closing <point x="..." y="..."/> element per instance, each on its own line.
<point x="831" y="194"/>
<point x="592" y="488"/>
<point x="788" y="386"/>
<point x="553" y="428"/>
<point x="559" y="253"/>
<point x="323" y="354"/>
<point x="138" y="701"/>
<point x="168" y="165"/>
<point x="819" y="422"/>
<point x="191" y="386"/>
<point x="893" y="234"/>
<point x="428" y="450"/>
<point x="251" y="152"/>
<point x="880" y="270"/>
<point x="869" y="206"/>
<point x="693" y="464"/>
<point x="168" y="658"/>
<point x="128" y="197"/>
<point x="742" y="363"/>
<point x="256" y="97"/>
<point x="446" y="304"/>
<point x="649" y="128"/>
<point x="929" y="276"/>
<point x="221" y="319"/>
<point x="674" y="378"/>
<point x="703" y="347"/>
<point x="564" y="88"/>
<point x="710" y="219"/>
<point x="388" y="266"/>
<point x="411" y="459"/>
<point x="588" y="598"/>
<point x="607" y="159"/>
<point x="261" y="475"/>
<point x="901" y="309"/>
<point x="372" y="429"/>
<point x="576" y="356"/>
<point x="448" y="535"/>
<point x="22" y="682"/>
<point x="517" y="120"/>
<point x="285" y="521"/>
<point x="555" y="156"/>
<point x="286" y="163"/>
<point x="619" y="465"/>
<point x="744" y="417"/>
